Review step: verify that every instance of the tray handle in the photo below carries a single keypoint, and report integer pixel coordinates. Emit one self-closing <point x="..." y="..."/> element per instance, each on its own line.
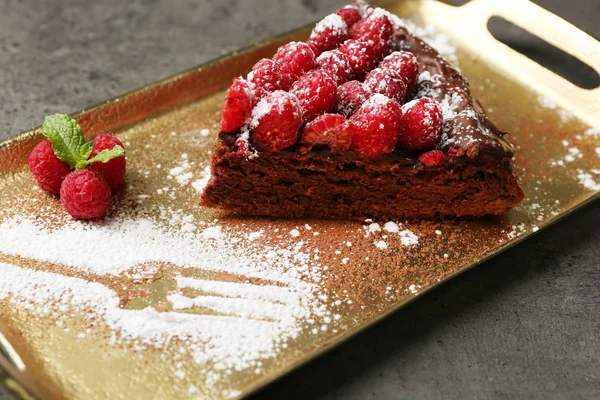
<point x="468" y="24"/>
<point x="548" y="26"/>
<point x="13" y="374"/>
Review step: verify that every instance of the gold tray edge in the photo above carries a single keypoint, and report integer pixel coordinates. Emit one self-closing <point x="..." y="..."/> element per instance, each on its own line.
<point x="352" y="332"/>
<point x="32" y="134"/>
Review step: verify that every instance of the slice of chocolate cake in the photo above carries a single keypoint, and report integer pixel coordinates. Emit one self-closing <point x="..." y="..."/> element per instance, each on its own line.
<point x="364" y="120"/>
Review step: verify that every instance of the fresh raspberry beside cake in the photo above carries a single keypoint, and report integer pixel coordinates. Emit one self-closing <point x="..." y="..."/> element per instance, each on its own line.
<point x="363" y="120"/>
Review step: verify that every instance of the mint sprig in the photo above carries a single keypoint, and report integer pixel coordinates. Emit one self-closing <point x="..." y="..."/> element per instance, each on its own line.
<point x="107" y="155"/>
<point x="70" y="145"/>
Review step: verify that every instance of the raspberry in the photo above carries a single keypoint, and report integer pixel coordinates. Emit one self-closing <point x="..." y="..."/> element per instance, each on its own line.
<point x="46" y="168"/>
<point x="242" y="146"/>
<point x="405" y="64"/>
<point x="313" y="48"/>
<point x="336" y="64"/>
<point x="113" y="171"/>
<point x="294" y="59"/>
<point x="316" y="93"/>
<point x="350" y="15"/>
<point x="433" y="158"/>
<point x="421" y="125"/>
<point x="85" y="194"/>
<point x="376" y="28"/>
<point x="329" y="33"/>
<point x="276" y="120"/>
<point x="238" y="105"/>
<point x="361" y="55"/>
<point x="327" y="129"/>
<point x="386" y="82"/>
<point x="350" y="96"/>
<point x="374" y="127"/>
<point x="266" y="76"/>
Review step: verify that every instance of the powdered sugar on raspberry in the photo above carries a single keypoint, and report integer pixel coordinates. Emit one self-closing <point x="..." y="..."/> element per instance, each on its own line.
<point x="396" y="21"/>
<point x="260" y="110"/>
<point x="379" y="99"/>
<point x="333" y="22"/>
<point x="264" y="106"/>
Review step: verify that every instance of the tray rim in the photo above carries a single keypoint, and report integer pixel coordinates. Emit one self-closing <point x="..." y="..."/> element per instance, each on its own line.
<point x="33" y="135"/>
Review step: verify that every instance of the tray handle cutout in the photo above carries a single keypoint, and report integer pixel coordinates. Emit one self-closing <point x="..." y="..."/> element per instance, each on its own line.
<point x="469" y="24"/>
<point x="14" y="375"/>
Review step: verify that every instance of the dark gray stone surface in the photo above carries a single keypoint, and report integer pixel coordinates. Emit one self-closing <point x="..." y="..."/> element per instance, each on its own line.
<point x="524" y="325"/>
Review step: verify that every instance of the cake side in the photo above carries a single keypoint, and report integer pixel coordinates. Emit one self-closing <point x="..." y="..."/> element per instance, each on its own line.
<point x="290" y="187"/>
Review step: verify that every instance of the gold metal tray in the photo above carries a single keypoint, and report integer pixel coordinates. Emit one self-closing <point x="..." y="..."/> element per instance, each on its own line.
<point x="553" y="123"/>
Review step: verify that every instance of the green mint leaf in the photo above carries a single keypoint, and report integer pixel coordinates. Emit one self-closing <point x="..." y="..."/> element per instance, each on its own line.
<point x="107" y="155"/>
<point x="86" y="150"/>
<point x="66" y="137"/>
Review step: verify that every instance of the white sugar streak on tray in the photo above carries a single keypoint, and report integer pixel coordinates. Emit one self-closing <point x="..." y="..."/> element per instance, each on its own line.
<point x="252" y="322"/>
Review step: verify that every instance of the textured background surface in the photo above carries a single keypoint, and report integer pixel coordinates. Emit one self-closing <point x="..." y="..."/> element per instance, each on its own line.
<point x="525" y="325"/>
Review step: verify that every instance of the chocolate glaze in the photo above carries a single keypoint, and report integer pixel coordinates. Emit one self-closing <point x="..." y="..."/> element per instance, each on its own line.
<point x="469" y="132"/>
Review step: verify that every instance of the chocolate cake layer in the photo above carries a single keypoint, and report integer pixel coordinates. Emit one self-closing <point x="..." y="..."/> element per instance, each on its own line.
<point x="271" y="185"/>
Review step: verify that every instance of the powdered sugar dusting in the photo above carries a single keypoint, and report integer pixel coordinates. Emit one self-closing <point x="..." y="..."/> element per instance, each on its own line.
<point x="331" y="22"/>
<point x="563" y="114"/>
<point x="34" y="288"/>
<point x="204" y="333"/>
<point x="277" y="99"/>
<point x="595" y="133"/>
<point x="182" y="173"/>
<point x="590" y="180"/>
<point x="396" y="21"/>
<point x="406" y="236"/>
<point x="200" y="184"/>
<point x="391" y="227"/>
<point x="260" y="110"/>
<point x="377" y="99"/>
<point x="547" y="102"/>
<point x="448" y="106"/>
<point x="439" y="41"/>
<point x="380" y="244"/>
<point x="273" y="312"/>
